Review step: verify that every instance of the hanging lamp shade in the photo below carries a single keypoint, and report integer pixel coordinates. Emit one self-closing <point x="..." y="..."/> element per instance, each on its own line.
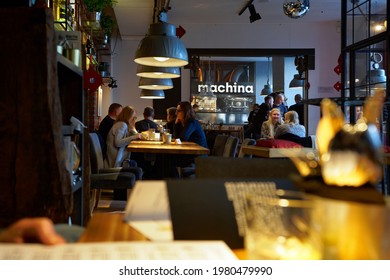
<point x="152" y="94"/>
<point x="267" y="90"/>
<point x="297" y="82"/>
<point x="154" y="84"/>
<point x="158" y="72"/>
<point x="161" y="47"/>
<point x="376" y="78"/>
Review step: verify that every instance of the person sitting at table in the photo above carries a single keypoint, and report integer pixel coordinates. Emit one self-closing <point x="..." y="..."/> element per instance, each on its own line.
<point x="171" y="118"/>
<point x="121" y="134"/>
<point x="290" y="126"/>
<point x="269" y="126"/>
<point x="187" y="128"/>
<point x="147" y="123"/>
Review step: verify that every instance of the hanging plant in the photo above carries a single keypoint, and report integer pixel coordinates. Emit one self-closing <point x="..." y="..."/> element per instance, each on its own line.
<point x="99" y="5"/>
<point x="108" y="23"/>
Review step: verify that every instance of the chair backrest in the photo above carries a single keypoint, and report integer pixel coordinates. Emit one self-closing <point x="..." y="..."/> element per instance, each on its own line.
<point x="230" y="149"/>
<point x="246" y="142"/>
<point x="219" y="145"/>
<point x="95" y="153"/>
<point x="205" y="167"/>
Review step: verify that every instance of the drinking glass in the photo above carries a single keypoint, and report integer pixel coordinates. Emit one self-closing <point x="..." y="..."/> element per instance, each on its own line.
<point x="280" y="227"/>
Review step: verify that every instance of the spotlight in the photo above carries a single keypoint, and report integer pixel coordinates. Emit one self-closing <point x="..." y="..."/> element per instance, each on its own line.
<point x="112" y="83"/>
<point x="254" y="16"/>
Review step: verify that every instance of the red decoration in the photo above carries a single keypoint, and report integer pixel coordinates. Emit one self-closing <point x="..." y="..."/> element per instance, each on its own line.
<point x="337" y="86"/>
<point x="337" y="69"/>
<point x="180" y="31"/>
<point x="92" y="79"/>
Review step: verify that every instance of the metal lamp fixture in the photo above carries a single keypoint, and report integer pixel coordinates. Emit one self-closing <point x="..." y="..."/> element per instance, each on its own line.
<point x="152" y="94"/>
<point x="254" y="16"/>
<point x="154" y="84"/>
<point x="158" y="72"/>
<point x="376" y="76"/>
<point x="296" y="82"/>
<point x="161" y="47"/>
<point x="267" y="88"/>
<point x="299" y="79"/>
<point x="296" y="8"/>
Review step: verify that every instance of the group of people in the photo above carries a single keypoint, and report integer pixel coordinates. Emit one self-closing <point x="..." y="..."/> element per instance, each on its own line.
<point x="273" y="119"/>
<point x="120" y="127"/>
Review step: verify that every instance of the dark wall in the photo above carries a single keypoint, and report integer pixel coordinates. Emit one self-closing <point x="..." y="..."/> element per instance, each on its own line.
<point x="172" y="98"/>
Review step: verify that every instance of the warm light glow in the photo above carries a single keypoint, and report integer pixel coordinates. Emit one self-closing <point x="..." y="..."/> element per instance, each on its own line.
<point x="379" y="27"/>
<point x="161" y="59"/>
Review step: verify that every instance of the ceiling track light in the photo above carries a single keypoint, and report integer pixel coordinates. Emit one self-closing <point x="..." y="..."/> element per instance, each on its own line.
<point x="254" y="16"/>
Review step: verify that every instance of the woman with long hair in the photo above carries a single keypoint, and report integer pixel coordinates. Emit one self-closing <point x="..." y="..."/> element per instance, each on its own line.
<point x="121" y="134"/>
<point x="187" y="127"/>
<point x="268" y="127"/>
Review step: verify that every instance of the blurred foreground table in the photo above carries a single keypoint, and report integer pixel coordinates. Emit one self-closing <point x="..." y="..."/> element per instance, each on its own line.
<point x="110" y="227"/>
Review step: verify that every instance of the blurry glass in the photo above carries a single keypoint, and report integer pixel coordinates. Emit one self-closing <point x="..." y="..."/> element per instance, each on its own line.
<point x="280" y="227"/>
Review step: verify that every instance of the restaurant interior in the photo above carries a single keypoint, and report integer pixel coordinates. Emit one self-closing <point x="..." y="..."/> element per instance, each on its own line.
<point x="77" y="57"/>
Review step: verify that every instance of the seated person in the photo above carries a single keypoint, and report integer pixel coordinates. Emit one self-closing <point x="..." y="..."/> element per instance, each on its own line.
<point x="187" y="128"/>
<point x="269" y="127"/>
<point x="291" y="125"/>
<point x="121" y="134"/>
<point x="293" y="131"/>
<point x="171" y="118"/>
<point x="147" y="123"/>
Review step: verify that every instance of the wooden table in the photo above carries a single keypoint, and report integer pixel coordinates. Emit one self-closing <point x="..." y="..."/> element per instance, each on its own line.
<point x="159" y="147"/>
<point x="109" y="227"/>
<point x="166" y="155"/>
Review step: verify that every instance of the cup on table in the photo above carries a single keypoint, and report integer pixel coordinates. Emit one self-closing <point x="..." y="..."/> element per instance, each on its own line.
<point x="167" y="138"/>
<point x="280" y="227"/>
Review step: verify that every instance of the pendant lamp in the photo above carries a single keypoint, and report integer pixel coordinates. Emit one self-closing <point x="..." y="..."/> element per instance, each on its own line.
<point x="152" y="94"/>
<point x="158" y="72"/>
<point x="267" y="90"/>
<point x="154" y="84"/>
<point x="376" y="76"/>
<point x="161" y="47"/>
<point x="296" y="82"/>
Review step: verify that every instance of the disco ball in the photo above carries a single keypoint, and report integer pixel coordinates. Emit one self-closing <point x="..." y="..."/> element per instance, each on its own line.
<point x="296" y="8"/>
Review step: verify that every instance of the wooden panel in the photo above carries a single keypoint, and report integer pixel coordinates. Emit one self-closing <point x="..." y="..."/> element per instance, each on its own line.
<point x="33" y="176"/>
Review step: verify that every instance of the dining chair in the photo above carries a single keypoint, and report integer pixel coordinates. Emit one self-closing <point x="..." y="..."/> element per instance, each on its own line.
<point x="116" y="178"/>
<point x="246" y="142"/>
<point x="230" y="148"/>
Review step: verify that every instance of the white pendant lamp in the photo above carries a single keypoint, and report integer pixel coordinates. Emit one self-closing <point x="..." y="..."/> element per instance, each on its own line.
<point x="154" y="84"/>
<point x="161" y="47"/>
<point x="158" y="72"/>
<point x="152" y="94"/>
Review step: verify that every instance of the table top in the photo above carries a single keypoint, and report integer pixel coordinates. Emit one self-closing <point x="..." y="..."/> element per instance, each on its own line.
<point x="159" y="147"/>
<point x="109" y="227"/>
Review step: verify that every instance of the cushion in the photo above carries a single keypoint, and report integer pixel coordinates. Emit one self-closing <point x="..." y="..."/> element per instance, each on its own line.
<point x="277" y="143"/>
